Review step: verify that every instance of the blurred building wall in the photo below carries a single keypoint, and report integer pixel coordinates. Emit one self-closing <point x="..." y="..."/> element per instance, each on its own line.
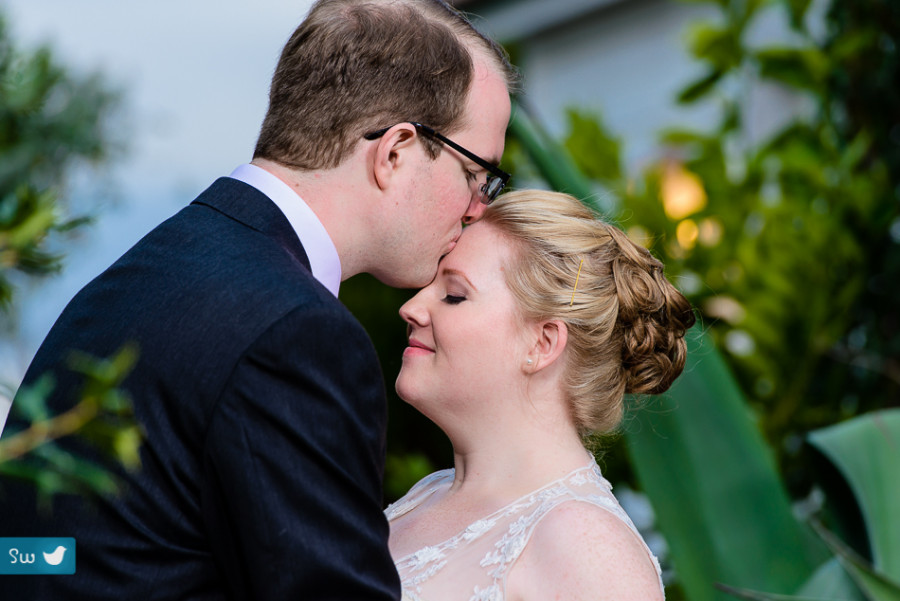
<point x="627" y="59"/>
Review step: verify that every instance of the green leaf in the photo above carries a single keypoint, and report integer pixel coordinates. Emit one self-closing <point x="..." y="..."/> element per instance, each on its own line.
<point x="712" y="481"/>
<point x="856" y="151"/>
<point x="700" y="88"/>
<point x="403" y="471"/>
<point x="33" y="229"/>
<point x="127" y="445"/>
<point x="593" y="147"/>
<point x="865" y="450"/>
<point x="680" y="136"/>
<point x="750" y="595"/>
<point x="67" y="473"/>
<point x="876" y="585"/>
<point x="831" y="581"/>
<point x="797" y="10"/>
<point x="76" y="223"/>
<point x="551" y="159"/>
<point x="104" y="373"/>
<point x="806" y="68"/>
<point x="853" y="43"/>
<point x="720" y="46"/>
<point x="722" y="3"/>
<point x="30" y="400"/>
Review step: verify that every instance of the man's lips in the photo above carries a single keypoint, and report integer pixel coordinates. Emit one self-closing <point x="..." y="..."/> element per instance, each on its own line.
<point x="450" y="247"/>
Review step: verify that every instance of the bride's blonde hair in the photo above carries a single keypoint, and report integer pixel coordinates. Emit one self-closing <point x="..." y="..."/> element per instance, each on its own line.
<point x="626" y="323"/>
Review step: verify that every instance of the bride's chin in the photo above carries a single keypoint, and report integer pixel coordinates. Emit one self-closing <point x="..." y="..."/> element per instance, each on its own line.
<point x="404" y="389"/>
<point x="415" y="398"/>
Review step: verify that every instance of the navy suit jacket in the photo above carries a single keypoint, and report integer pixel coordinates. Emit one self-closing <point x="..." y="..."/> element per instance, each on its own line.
<point x="264" y="410"/>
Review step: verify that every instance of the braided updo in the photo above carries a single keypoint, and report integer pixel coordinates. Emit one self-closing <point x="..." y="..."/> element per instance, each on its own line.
<point x="626" y="322"/>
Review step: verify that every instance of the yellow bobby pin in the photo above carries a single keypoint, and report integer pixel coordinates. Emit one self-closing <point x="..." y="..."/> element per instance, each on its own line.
<point x="577" y="275"/>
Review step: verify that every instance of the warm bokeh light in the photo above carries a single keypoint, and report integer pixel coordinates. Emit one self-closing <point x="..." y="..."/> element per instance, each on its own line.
<point x="711" y="231"/>
<point x="682" y="192"/>
<point x="639" y="235"/>
<point x="725" y="308"/>
<point x="687" y="233"/>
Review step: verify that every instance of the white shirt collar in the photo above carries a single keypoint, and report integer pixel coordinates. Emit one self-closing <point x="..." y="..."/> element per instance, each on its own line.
<point x="323" y="256"/>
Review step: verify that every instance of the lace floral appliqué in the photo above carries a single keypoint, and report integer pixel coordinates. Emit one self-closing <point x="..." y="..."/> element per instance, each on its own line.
<point x="498" y="539"/>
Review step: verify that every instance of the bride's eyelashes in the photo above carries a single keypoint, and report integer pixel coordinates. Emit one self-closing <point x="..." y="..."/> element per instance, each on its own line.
<point x="453" y="300"/>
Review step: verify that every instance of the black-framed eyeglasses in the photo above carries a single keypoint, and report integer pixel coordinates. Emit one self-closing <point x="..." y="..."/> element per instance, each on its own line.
<point x="496" y="178"/>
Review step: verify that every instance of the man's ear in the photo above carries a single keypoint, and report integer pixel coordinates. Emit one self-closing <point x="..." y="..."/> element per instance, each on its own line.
<point x="391" y="152"/>
<point x="550" y="342"/>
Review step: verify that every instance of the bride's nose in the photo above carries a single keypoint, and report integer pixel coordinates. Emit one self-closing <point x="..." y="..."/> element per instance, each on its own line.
<point x="414" y="311"/>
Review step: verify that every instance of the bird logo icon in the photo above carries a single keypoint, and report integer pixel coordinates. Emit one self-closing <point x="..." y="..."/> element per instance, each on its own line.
<point x="55" y="558"/>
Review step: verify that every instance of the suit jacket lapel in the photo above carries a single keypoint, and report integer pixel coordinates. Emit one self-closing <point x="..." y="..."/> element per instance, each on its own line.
<point x="249" y="206"/>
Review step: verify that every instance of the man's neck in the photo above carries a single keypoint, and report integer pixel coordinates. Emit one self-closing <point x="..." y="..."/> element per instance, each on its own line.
<point x="335" y="199"/>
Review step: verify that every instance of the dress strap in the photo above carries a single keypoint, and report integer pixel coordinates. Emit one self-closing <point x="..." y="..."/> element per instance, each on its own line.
<point x="420" y="491"/>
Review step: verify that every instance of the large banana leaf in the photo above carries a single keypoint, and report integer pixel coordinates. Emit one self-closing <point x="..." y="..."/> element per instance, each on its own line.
<point x="718" y="498"/>
<point x="701" y="459"/>
<point x="831" y="581"/>
<point x="866" y="451"/>
<point x="551" y="160"/>
<point x="875" y="584"/>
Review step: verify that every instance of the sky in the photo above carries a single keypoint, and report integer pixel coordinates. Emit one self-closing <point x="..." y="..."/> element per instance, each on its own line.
<point x="195" y="76"/>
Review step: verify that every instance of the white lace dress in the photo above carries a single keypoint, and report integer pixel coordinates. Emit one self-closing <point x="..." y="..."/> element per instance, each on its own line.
<point x="482" y="555"/>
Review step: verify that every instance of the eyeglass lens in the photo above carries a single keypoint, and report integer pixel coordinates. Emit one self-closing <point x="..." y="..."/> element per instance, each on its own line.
<point x="491" y="188"/>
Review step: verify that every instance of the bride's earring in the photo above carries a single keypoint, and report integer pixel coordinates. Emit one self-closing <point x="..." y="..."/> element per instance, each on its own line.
<point x="530" y="362"/>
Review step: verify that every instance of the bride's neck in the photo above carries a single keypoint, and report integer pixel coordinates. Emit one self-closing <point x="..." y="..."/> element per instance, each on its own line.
<point x="506" y="461"/>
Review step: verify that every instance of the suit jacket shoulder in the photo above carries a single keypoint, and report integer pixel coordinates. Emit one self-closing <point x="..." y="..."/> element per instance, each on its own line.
<point x="250" y="380"/>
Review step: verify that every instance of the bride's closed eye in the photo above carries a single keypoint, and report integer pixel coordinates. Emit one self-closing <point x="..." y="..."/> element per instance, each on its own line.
<point x="453" y="300"/>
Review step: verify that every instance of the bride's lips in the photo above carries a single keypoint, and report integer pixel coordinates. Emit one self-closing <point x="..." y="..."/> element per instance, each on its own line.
<point x="417" y="348"/>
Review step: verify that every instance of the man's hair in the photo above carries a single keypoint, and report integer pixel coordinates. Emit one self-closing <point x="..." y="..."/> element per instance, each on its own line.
<point x="354" y="66"/>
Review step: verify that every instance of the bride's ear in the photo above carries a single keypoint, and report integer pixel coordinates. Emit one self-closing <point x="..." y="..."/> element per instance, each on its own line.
<point x="550" y="342"/>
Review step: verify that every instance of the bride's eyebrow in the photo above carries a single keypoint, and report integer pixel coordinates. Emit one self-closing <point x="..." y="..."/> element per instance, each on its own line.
<point x="448" y="271"/>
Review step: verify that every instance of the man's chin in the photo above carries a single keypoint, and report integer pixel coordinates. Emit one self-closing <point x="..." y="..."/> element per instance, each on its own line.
<point x="408" y="280"/>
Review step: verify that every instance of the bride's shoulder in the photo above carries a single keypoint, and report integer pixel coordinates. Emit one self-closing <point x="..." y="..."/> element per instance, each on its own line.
<point x="585" y="551"/>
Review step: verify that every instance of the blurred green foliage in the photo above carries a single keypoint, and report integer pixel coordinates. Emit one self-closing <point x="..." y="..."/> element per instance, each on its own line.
<point x="50" y="121"/>
<point x="785" y="243"/>
<point x="864" y="452"/>
<point x="788" y="245"/>
<point x="101" y="416"/>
